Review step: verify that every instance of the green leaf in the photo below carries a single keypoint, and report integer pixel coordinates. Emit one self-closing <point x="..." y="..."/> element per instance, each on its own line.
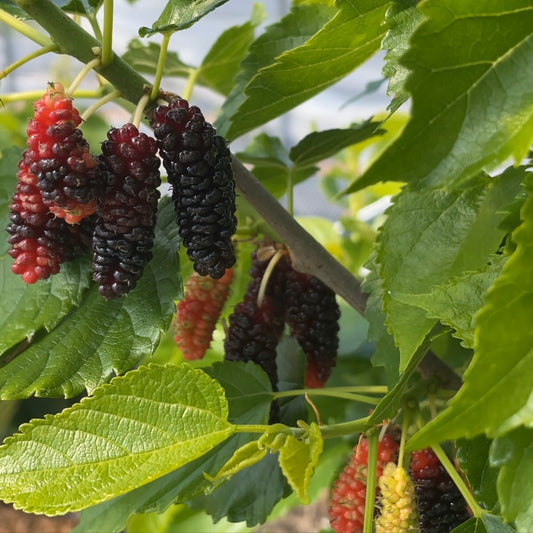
<point x="473" y="456"/>
<point x="8" y="180"/>
<point x="298" y="459"/>
<point x="222" y="61"/>
<point x="344" y="43"/>
<point x="456" y="302"/>
<point x="472" y="106"/>
<point x="291" y="31"/>
<point x="180" y="14"/>
<point x="486" y="523"/>
<point x="11" y="7"/>
<point x="143" y="58"/>
<point x="99" y="337"/>
<point x="136" y="429"/>
<point x="514" y="454"/>
<point x="248" y="392"/>
<point x="403" y="18"/>
<point x="320" y="145"/>
<point x="247" y="455"/>
<point x="82" y="7"/>
<point x="502" y="366"/>
<point x="459" y="226"/>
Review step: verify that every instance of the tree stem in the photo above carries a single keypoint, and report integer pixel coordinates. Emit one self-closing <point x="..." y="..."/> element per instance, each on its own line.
<point x="308" y="254"/>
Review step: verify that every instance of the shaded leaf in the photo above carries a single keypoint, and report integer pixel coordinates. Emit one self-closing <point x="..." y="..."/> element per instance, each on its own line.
<point x="136" y="429"/>
<point x="502" y="366"/>
<point x="180" y="14"/>
<point x="472" y="105"/>
<point x="99" y="337"/>
<point x="344" y="43"/>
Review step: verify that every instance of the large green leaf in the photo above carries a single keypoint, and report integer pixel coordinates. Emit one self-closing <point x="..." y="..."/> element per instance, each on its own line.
<point x="99" y="337"/>
<point x="472" y="93"/>
<point x="514" y="454"/>
<point x="248" y="392"/>
<point x="431" y="236"/>
<point x="502" y="367"/>
<point x="345" y="42"/>
<point x="136" y="429"/>
<point x="180" y="14"/>
<point x="456" y="302"/>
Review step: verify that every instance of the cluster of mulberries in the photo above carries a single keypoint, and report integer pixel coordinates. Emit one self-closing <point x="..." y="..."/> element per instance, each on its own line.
<point x="198" y="164"/>
<point x="347" y="503"/>
<point x="288" y="297"/>
<point x="124" y="231"/>
<point x="441" y="507"/>
<point x="425" y="499"/>
<point x="67" y="173"/>
<point x="198" y="312"/>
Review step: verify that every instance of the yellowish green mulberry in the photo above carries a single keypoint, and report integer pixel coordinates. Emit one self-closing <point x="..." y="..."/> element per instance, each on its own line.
<point x="397" y="502"/>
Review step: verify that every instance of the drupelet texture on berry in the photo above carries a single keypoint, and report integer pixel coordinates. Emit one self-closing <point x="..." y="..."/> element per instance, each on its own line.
<point x="198" y="313"/>
<point x="254" y="330"/>
<point x="39" y="241"/>
<point x="124" y="232"/>
<point x="198" y="164"/>
<point x="67" y="173"/>
<point x="441" y="507"/>
<point x="313" y="318"/>
<point x="347" y="503"/>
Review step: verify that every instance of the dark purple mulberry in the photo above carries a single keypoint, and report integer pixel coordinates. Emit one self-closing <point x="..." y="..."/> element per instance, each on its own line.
<point x="441" y="507"/>
<point x="198" y="164"/>
<point x="124" y="232"/>
<point x="39" y="241"/>
<point x="67" y="173"/>
<point x="254" y="331"/>
<point x="313" y="319"/>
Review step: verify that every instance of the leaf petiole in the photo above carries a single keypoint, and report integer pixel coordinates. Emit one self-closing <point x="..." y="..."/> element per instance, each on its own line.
<point x="26" y="59"/>
<point x="107" y="38"/>
<point x="372" y="438"/>
<point x="160" y="66"/>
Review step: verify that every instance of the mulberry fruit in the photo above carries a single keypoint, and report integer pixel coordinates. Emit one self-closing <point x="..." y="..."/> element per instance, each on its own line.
<point x="441" y="507"/>
<point x="347" y="503"/>
<point x="40" y="242"/>
<point x="67" y="173"/>
<point x="124" y="232"/>
<point x="254" y="330"/>
<point x="198" y="312"/>
<point x="312" y="316"/>
<point x="198" y="164"/>
<point x="396" y="502"/>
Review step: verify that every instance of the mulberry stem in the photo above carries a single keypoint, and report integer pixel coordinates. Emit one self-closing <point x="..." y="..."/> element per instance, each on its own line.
<point x="26" y="59"/>
<point x="83" y="72"/>
<point x="25" y="29"/>
<point x="372" y="437"/>
<point x="458" y="480"/>
<point x="139" y="110"/>
<point x="99" y="103"/>
<point x="160" y="66"/>
<point x="191" y="80"/>
<point x="107" y="38"/>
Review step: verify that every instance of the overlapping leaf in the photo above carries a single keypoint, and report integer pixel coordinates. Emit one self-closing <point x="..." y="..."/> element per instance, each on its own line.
<point x="99" y="338"/>
<point x="136" y="429"/>
<point x="502" y="367"/>
<point x="472" y="93"/>
<point x="449" y="232"/>
<point x="344" y="43"/>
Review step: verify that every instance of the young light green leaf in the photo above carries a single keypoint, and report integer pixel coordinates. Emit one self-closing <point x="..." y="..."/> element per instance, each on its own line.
<point x="320" y="145"/>
<point x="502" y="366"/>
<point x="403" y="18"/>
<point x="143" y="58"/>
<point x="136" y="429"/>
<point x="459" y="92"/>
<point x="298" y="459"/>
<point x="222" y="61"/>
<point x="247" y="455"/>
<point x="344" y="43"/>
<point x="99" y="337"/>
<point x="514" y="454"/>
<point x="248" y="392"/>
<point x="456" y="302"/>
<point x="291" y="31"/>
<point x="460" y="229"/>
<point x="180" y="14"/>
